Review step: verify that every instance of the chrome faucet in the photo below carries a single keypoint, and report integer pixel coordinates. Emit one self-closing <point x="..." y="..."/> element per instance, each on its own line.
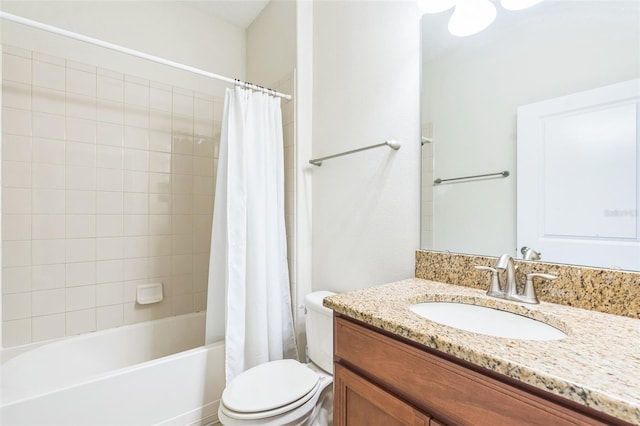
<point x="505" y="264"/>
<point x="509" y="290"/>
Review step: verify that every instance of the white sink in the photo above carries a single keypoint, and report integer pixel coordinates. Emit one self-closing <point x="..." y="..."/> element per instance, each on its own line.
<point x="485" y="320"/>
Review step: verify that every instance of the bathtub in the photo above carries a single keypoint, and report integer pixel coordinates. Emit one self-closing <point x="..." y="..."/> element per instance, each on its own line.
<point x="153" y="373"/>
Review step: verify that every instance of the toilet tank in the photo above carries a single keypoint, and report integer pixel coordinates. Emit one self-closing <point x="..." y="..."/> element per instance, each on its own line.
<point x="319" y="326"/>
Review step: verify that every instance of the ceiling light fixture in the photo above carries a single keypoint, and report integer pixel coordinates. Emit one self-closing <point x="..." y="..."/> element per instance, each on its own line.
<point x="518" y="4"/>
<point x="471" y="16"/>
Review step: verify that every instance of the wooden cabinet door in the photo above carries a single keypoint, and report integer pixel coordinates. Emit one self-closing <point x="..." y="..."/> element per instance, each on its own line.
<point x="361" y="403"/>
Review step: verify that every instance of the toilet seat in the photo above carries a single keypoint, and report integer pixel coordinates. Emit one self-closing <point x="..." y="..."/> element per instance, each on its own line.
<point x="269" y="389"/>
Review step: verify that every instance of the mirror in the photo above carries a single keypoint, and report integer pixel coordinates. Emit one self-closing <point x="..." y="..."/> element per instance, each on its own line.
<point x="471" y="90"/>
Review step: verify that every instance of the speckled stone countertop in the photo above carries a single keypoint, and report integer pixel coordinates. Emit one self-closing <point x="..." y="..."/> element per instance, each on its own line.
<point x="597" y="364"/>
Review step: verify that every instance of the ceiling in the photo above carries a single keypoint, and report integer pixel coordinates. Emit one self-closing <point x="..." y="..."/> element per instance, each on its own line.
<point x="238" y="12"/>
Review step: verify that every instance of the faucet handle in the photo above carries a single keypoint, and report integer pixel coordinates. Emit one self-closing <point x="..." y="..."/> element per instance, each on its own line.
<point x="494" y="287"/>
<point x="529" y="294"/>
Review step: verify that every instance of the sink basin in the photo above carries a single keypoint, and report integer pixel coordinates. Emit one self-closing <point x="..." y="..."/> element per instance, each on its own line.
<point x="485" y="320"/>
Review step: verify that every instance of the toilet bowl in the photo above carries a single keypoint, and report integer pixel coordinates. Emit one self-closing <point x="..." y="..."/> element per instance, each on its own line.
<point x="287" y="392"/>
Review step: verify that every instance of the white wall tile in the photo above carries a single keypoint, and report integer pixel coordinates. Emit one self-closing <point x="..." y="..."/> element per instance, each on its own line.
<point x="109" y="203"/>
<point x="108" y="271"/>
<point x="109" y="317"/>
<point x="182" y="264"/>
<point x="160" y="245"/>
<point x="110" y="89"/>
<point x="48" y="100"/>
<point x="159" y="141"/>
<point x="203" y="166"/>
<point x="160" y="224"/>
<point x="16" y="332"/>
<point x="160" y="266"/>
<point x="182" y="125"/>
<point x="16" y="227"/>
<point x="16" y="280"/>
<point x="160" y="99"/>
<point x="134" y="313"/>
<point x="48" y="176"/>
<point x="16" y="201"/>
<point x="48" y="327"/>
<point x="160" y="162"/>
<point x="136" y="247"/>
<point x="16" y="68"/>
<point x="80" y="154"/>
<point x="16" y="121"/>
<point x="182" y="304"/>
<point x="48" y="151"/>
<point x="48" y="75"/>
<point x="203" y="108"/>
<point x="136" y="160"/>
<point x="81" y="82"/>
<point x="47" y="252"/>
<point x="162" y="309"/>
<point x="80" y="249"/>
<point x="136" y="181"/>
<point x="202" y="204"/>
<point x="136" y="116"/>
<point x="46" y="227"/>
<point x="159" y="183"/>
<point x="182" y="224"/>
<point x="81" y="202"/>
<point x="80" y="274"/>
<point x="110" y="134"/>
<point x="49" y="126"/>
<point x="78" y="298"/>
<point x="80" y="178"/>
<point x="110" y="112"/>
<point x="81" y="321"/>
<point x="136" y="94"/>
<point x="136" y="224"/>
<point x="109" y="180"/>
<point x="16" y="253"/>
<point x="136" y="203"/>
<point x="109" y="294"/>
<point x="80" y="226"/>
<point x="182" y="104"/>
<point x="160" y="121"/>
<point x="182" y="244"/>
<point x="47" y="277"/>
<point x="109" y="157"/>
<point x="182" y="144"/>
<point x="16" y="95"/>
<point x="81" y="130"/>
<point x="109" y="225"/>
<point x="79" y="106"/>
<point x="16" y="148"/>
<point x="136" y="137"/>
<point x="16" y="306"/>
<point x="135" y="269"/>
<point x="48" y="201"/>
<point x="47" y="302"/>
<point x="182" y="203"/>
<point x="109" y="248"/>
<point x="159" y="204"/>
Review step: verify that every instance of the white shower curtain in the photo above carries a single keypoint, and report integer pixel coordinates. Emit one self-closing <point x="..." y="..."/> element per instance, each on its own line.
<point x="248" y="265"/>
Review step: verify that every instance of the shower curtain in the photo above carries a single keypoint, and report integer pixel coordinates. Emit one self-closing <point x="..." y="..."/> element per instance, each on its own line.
<point x="248" y="265"/>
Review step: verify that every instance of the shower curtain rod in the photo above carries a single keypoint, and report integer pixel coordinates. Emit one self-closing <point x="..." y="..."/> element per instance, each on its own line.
<point x="137" y="53"/>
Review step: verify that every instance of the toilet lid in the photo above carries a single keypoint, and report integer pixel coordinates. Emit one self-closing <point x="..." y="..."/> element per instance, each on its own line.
<point x="269" y="386"/>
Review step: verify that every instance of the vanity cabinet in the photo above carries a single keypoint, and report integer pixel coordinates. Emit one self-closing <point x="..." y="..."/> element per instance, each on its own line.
<point x="384" y="380"/>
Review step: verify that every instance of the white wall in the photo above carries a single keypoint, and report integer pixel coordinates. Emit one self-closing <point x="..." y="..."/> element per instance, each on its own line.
<point x="366" y="90"/>
<point x="471" y="96"/>
<point x="163" y="28"/>
<point x="271" y="43"/>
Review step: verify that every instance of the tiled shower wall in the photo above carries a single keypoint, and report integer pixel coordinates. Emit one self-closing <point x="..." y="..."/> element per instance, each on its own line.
<point x="107" y="183"/>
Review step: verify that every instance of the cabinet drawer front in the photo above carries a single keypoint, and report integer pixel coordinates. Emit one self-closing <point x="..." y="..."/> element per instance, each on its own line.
<point x="442" y="388"/>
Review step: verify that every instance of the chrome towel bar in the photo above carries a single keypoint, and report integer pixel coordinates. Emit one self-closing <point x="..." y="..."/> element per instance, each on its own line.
<point x="391" y="144"/>
<point x="503" y="174"/>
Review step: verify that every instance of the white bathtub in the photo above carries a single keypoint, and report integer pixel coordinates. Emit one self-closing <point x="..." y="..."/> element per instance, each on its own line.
<point x="153" y="373"/>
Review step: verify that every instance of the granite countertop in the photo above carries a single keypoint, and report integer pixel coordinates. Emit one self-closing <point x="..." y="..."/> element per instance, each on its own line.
<point x="596" y="365"/>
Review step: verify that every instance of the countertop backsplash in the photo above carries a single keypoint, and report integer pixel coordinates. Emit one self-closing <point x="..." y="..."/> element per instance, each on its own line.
<point x="604" y="290"/>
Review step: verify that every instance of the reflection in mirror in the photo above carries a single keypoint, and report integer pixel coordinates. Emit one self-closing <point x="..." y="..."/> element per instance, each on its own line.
<point x="471" y="90"/>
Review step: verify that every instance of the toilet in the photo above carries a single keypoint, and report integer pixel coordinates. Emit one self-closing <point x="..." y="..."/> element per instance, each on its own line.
<point x="287" y="392"/>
